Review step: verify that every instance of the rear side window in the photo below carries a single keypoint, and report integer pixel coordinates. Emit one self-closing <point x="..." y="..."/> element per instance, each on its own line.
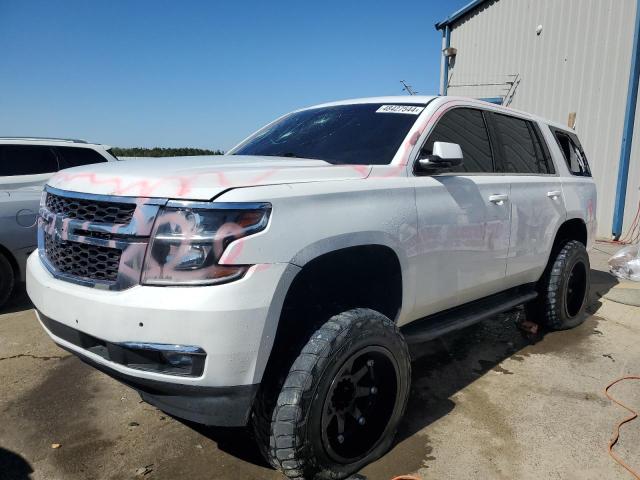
<point x="467" y="128"/>
<point x="26" y="160"/>
<point x="573" y="154"/>
<point x="77" y="156"/>
<point x="521" y="147"/>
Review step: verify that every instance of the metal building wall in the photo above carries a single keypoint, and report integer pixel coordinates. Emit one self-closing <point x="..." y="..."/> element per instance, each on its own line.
<point x="579" y="63"/>
<point x="632" y="203"/>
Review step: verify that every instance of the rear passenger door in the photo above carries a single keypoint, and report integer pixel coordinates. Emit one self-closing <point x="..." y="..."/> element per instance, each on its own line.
<point x="26" y="165"/>
<point x="463" y="218"/>
<point x="537" y="203"/>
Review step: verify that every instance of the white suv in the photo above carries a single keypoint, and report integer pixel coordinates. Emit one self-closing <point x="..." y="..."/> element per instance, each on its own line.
<point x="279" y="285"/>
<point x="25" y="165"/>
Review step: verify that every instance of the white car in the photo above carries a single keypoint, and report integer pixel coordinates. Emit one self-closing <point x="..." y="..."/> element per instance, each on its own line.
<point x="25" y="165"/>
<point x="279" y="285"/>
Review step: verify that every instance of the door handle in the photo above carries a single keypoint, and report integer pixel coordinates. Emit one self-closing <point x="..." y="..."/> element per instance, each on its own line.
<point x="498" y="199"/>
<point x="554" y="194"/>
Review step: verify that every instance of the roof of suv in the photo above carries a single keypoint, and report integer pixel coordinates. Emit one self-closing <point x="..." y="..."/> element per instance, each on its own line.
<point x="50" y="141"/>
<point x="425" y="99"/>
<point x="413" y="99"/>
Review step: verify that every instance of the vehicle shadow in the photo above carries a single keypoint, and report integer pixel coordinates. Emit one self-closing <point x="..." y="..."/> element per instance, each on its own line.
<point x="236" y="441"/>
<point x="601" y="283"/>
<point x="18" y="302"/>
<point x="440" y="369"/>
<point x="444" y="366"/>
<point x="13" y="466"/>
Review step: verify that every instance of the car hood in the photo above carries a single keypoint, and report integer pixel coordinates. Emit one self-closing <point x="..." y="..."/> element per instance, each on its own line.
<point x="197" y="178"/>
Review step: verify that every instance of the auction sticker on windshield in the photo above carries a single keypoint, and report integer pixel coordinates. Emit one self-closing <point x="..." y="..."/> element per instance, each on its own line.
<point x="410" y="109"/>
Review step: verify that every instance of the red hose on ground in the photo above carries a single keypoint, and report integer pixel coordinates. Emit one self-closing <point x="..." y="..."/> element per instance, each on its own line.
<point x="616" y="433"/>
<point x="614" y="438"/>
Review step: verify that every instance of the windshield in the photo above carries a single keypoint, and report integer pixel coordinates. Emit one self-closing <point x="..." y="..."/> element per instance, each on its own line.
<point x="358" y="134"/>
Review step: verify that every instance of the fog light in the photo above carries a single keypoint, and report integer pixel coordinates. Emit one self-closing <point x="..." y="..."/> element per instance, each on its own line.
<point x="185" y="360"/>
<point x="178" y="359"/>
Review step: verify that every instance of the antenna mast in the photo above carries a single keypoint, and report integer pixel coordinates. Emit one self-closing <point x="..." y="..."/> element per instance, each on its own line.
<point x="408" y="88"/>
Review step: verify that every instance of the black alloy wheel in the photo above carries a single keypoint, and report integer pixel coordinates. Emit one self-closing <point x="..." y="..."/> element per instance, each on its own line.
<point x="359" y="404"/>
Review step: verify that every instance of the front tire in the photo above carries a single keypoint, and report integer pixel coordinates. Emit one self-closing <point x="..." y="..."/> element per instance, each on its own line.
<point x="563" y="289"/>
<point x="343" y="398"/>
<point x="7" y="280"/>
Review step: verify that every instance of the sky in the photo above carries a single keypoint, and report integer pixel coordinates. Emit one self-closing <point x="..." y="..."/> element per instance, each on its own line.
<point x="202" y="73"/>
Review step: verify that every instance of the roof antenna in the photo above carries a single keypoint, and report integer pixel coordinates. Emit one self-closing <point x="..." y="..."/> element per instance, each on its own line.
<point x="408" y="88"/>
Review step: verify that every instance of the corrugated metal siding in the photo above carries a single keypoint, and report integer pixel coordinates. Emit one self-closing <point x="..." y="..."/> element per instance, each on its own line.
<point x="632" y="204"/>
<point x="580" y="63"/>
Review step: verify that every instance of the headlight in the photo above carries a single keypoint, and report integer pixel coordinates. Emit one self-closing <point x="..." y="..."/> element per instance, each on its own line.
<point x="189" y="238"/>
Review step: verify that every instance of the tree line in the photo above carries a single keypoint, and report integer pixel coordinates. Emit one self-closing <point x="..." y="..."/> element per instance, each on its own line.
<point x="163" y="152"/>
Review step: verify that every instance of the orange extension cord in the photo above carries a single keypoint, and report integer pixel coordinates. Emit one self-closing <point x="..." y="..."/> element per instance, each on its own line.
<point x="614" y="439"/>
<point x="616" y="434"/>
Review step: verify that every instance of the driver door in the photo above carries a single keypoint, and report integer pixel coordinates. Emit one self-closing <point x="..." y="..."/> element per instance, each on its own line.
<point x="463" y="219"/>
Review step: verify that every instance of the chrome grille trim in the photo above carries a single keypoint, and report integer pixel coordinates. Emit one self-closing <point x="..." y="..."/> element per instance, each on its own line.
<point x="126" y="240"/>
<point x="90" y="210"/>
<point x="82" y="259"/>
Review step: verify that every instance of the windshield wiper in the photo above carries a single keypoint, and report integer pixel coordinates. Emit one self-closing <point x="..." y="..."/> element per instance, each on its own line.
<point x="290" y="155"/>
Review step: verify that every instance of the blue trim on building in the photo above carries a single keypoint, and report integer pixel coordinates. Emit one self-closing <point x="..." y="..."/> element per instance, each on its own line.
<point x="627" y="132"/>
<point x="447" y="42"/>
<point x="445" y="26"/>
<point x="496" y="100"/>
<point x="459" y="13"/>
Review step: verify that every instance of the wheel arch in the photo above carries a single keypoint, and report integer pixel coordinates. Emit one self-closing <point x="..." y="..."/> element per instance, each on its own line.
<point x="347" y="240"/>
<point x="331" y="276"/>
<point x="570" y="229"/>
<point x="5" y="252"/>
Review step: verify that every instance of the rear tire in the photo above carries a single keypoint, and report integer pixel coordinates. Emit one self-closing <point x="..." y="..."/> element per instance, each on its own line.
<point x="7" y="280"/>
<point x="563" y="289"/>
<point x="342" y="400"/>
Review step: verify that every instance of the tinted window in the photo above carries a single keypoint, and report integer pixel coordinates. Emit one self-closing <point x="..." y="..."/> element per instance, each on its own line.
<point x="343" y="134"/>
<point x="467" y="128"/>
<point x="573" y="154"/>
<point x="26" y="160"/>
<point x="521" y="147"/>
<point x="77" y="156"/>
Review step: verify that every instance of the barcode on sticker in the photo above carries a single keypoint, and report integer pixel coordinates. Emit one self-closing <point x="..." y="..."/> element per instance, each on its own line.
<point x="410" y="109"/>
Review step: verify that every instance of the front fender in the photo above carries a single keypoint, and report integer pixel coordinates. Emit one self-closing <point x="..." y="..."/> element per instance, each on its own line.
<point x="312" y="219"/>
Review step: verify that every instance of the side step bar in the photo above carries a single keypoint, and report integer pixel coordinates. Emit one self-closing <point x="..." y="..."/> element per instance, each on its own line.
<point x="433" y="326"/>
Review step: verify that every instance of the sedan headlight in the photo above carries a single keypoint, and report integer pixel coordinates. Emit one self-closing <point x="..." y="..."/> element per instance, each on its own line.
<point x="189" y="238"/>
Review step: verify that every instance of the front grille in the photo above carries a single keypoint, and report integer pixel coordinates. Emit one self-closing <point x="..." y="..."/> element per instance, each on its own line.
<point x="82" y="260"/>
<point x="90" y="210"/>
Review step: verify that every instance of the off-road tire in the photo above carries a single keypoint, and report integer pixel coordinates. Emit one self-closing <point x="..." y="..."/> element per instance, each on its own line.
<point x="7" y="280"/>
<point x="554" y="308"/>
<point x="290" y="438"/>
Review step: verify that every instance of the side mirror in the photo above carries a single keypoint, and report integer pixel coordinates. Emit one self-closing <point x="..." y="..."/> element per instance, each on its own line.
<point x="445" y="155"/>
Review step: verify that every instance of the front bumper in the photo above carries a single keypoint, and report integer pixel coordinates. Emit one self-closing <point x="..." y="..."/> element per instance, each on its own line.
<point x="233" y="323"/>
<point x="220" y="406"/>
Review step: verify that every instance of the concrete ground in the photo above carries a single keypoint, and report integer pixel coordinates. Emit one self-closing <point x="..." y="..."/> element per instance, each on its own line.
<point x="486" y="403"/>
